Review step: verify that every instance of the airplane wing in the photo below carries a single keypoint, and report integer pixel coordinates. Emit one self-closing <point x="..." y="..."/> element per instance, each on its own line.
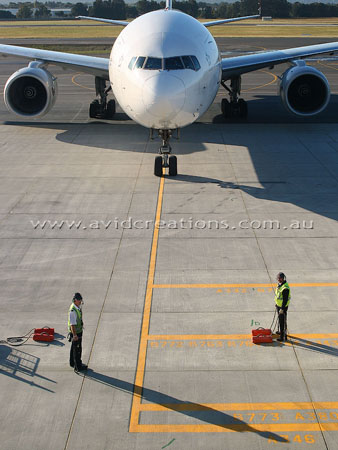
<point x="88" y="64"/>
<point x="238" y="65"/>
<point x="235" y="19"/>
<point x="123" y="23"/>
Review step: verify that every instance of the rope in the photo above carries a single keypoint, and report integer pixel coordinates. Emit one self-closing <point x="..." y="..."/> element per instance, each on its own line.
<point x="16" y="341"/>
<point x="274" y="325"/>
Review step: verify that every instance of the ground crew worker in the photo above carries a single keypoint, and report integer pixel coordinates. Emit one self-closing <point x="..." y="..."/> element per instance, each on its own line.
<point x="75" y="328"/>
<point x="282" y="299"/>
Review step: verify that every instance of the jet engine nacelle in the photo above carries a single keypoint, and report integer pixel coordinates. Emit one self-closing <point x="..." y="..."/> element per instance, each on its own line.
<point x="304" y="90"/>
<point x="31" y="91"/>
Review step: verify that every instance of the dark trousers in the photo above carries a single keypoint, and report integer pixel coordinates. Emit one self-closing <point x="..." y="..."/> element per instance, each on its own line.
<point x="76" y="352"/>
<point x="282" y="319"/>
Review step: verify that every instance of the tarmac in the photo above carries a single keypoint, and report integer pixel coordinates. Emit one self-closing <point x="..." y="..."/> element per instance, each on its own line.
<point x="169" y="309"/>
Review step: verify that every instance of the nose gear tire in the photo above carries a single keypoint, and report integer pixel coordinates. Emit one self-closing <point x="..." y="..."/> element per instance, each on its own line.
<point x="158" y="166"/>
<point x="172" y="166"/>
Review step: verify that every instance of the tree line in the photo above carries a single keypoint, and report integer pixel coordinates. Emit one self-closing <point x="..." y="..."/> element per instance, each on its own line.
<point x="118" y="9"/>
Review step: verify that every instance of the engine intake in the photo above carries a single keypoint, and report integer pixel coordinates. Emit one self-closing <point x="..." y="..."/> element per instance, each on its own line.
<point x="30" y="92"/>
<point x="304" y="90"/>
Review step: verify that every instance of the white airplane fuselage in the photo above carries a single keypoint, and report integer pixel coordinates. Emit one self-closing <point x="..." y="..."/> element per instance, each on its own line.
<point x="161" y="94"/>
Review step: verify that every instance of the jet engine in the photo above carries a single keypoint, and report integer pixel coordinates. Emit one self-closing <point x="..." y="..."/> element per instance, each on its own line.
<point x="304" y="90"/>
<point x="31" y="91"/>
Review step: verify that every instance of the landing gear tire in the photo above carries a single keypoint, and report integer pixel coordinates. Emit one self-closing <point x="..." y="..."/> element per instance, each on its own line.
<point x="111" y="109"/>
<point x="243" y="108"/>
<point x="94" y="109"/>
<point x="172" y="166"/>
<point x="158" y="166"/>
<point x="225" y="106"/>
<point x="231" y="110"/>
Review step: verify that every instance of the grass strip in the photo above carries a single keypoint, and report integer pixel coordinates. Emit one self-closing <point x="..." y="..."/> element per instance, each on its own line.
<point x="252" y="29"/>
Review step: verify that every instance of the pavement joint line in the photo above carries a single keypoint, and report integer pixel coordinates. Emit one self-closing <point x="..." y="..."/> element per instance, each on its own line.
<point x="237" y="285"/>
<point x="310" y="395"/>
<point x="320" y="162"/>
<point x="141" y="361"/>
<point x="91" y="350"/>
<point x="254" y="231"/>
<point x="78" y="113"/>
<point x="98" y="323"/>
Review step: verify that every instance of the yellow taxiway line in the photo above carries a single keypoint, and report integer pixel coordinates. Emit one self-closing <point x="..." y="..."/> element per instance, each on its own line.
<point x="146" y="321"/>
<point x="254" y="428"/>
<point x="275" y="78"/>
<point x="239" y="406"/>
<point x="184" y="337"/>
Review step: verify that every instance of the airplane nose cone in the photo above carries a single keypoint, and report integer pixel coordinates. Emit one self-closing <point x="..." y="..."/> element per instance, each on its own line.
<point x="163" y="95"/>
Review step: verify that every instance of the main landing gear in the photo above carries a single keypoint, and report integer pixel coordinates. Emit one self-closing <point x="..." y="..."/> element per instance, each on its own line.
<point x="101" y="109"/>
<point x="165" y="159"/>
<point x="236" y="107"/>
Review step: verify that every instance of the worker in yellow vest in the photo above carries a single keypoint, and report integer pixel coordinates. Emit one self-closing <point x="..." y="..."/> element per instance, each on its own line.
<point x="282" y="299"/>
<point x="75" y="329"/>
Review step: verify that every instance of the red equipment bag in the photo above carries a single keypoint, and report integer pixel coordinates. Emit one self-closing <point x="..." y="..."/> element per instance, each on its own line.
<point x="261" y="336"/>
<point x="43" y="334"/>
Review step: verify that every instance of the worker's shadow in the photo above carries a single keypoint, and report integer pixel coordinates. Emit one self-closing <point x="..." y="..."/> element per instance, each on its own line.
<point x="312" y="346"/>
<point x="190" y="409"/>
<point x="57" y="340"/>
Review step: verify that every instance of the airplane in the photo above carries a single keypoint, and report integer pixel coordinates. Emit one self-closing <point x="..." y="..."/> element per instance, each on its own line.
<point x="165" y="70"/>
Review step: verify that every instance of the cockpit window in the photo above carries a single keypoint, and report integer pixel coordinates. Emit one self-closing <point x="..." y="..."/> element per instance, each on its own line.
<point x="131" y="64"/>
<point x="140" y="62"/>
<point x="174" y="63"/>
<point x="153" y="63"/>
<point x="196" y="63"/>
<point x="188" y="64"/>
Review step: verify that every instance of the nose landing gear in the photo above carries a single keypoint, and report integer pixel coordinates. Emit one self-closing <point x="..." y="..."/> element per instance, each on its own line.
<point x="165" y="159"/>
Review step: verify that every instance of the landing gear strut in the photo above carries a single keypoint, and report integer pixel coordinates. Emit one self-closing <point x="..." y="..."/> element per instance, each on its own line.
<point x="101" y="109"/>
<point x="236" y="107"/>
<point x="165" y="159"/>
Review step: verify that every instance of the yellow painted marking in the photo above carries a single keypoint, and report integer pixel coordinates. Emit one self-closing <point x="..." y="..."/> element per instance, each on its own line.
<point x="239" y="406"/>
<point x="236" y="427"/>
<point x="327" y="65"/>
<point x="275" y="78"/>
<point x="80" y="85"/>
<point x="176" y="337"/>
<point x="240" y="285"/>
<point x="138" y="407"/>
<point x="146" y="319"/>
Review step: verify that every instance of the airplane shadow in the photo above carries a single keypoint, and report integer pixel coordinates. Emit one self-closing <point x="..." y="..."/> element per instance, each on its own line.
<point x="307" y="182"/>
<point x="277" y="190"/>
<point x="267" y="109"/>
<point x="194" y="410"/>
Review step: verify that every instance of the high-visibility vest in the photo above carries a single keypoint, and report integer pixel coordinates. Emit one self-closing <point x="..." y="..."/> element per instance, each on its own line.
<point x="279" y="294"/>
<point x="79" y="323"/>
